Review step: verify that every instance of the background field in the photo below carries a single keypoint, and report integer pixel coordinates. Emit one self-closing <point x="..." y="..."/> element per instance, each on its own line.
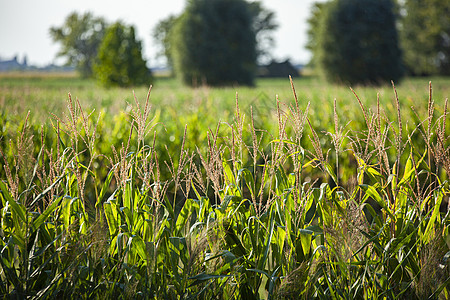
<point x="44" y="93"/>
<point x="175" y="106"/>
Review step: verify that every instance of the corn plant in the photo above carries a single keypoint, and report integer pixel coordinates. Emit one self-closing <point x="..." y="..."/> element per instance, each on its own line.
<point x="355" y="211"/>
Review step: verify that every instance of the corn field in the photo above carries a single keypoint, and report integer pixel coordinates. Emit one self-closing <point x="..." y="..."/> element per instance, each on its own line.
<point x="290" y="212"/>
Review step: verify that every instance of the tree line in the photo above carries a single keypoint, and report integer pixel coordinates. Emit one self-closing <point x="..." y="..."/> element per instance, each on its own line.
<point x="373" y="41"/>
<point x="220" y="42"/>
<point x="109" y="52"/>
<point x="217" y="42"/>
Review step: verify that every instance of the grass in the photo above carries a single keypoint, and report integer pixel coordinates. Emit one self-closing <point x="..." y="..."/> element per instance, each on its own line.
<point x="205" y="194"/>
<point x="23" y="92"/>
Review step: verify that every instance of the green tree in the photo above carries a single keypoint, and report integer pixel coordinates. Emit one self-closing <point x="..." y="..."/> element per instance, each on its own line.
<point x="314" y="23"/>
<point x="120" y="61"/>
<point x="426" y="36"/>
<point x="80" y="37"/>
<point x="263" y="24"/>
<point x="214" y="43"/>
<point x="358" y="42"/>
<point x="161" y="36"/>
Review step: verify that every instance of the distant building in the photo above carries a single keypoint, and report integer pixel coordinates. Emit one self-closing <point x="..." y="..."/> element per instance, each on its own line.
<point x="12" y="65"/>
<point x="15" y="65"/>
<point x="278" y="69"/>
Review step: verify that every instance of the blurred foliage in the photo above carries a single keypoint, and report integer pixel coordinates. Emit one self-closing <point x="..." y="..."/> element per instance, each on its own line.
<point x="120" y="61"/>
<point x="358" y="42"/>
<point x="423" y="29"/>
<point x="263" y="25"/>
<point x="214" y="43"/>
<point x="80" y="37"/>
<point x="314" y="23"/>
<point x="161" y="36"/>
<point x="425" y="32"/>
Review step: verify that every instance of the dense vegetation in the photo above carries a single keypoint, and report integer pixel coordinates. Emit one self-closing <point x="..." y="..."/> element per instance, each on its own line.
<point x="80" y="37"/>
<point x="425" y="36"/>
<point x="214" y="43"/>
<point x="358" y="42"/>
<point x="358" y="31"/>
<point x="119" y="61"/>
<point x="209" y="194"/>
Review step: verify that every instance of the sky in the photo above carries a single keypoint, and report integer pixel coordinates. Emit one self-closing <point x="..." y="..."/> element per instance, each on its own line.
<point x="25" y="24"/>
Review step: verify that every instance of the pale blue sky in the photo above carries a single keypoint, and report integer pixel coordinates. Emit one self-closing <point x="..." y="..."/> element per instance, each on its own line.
<point x="24" y="24"/>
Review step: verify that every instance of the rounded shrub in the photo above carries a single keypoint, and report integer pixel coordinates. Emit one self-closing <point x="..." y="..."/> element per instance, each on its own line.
<point x="358" y="42"/>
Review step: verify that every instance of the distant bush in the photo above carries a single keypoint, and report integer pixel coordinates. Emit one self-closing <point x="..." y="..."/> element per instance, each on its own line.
<point x="214" y="43"/>
<point x="120" y="61"/>
<point x="358" y="42"/>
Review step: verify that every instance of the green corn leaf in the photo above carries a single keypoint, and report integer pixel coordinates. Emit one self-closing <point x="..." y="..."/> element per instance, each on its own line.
<point x="404" y="257"/>
<point x="113" y="246"/>
<point x="104" y="189"/>
<point x="148" y="227"/>
<point x="177" y="249"/>
<point x="248" y="178"/>
<point x="202" y="277"/>
<point x="229" y="177"/>
<point x="441" y="288"/>
<point x="253" y="226"/>
<point x="314" y="160"/>
<point x="18" y="209"/>
<point x="330" y="172"/>
<point x="138" y="223"/>
<point x="280" y="237"/>
<point x="373" y="193"/>
<point x="233" y="241"/>
<point x="305" y="239"/>
<point x="9" y="272"/>
<point x="138" y="246"/>
<point x="44" y="293"/>
<point x="374" y="215"/>
<point x="428" y="235"/>
<point x="45" y="192"/>
<point x="128" y="195"/>
<point x="394" y="179"/>
<point x="185" y="214"/>
<point x="42" y="251"/>
<point x="65" y="211"/>
<point x="374" y="175"/>
<point x="112" y="216"/>
<point x="326" y="213"/>
<point x="361" y="168"/>
<point x="288" y="209"/>
<point x="267" y="242"/>
<point x="168" y="207"/>
<point x="410" y="171"/>
<point x="78" y="212"/>
<point x="227" y="202"/>
<point x="163" y="227"/>
<point x="43" y="217"/>
<point x="128" y="216"/>
<point x="120" y="243"/>
<point x="401" y="200"/>
<point x="272" y="282"/>
<point x="308" y="206"/>
<point x="259" y="272"/>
